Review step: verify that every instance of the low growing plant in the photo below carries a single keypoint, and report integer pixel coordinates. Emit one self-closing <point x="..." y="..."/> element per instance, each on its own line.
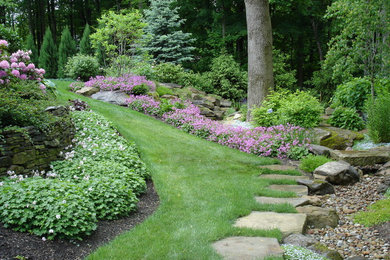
<point x="311" y="162"/>
<point x="168" y="73"/>
<point x="292" y="252"/>
<point x="161" y="91"/>
<point x="346" y="118"/>
<point x="377" y="213"/>
<point x="142" y="89"/>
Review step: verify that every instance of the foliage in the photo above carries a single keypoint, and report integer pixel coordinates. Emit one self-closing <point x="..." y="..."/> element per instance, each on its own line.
<point x="144" y="104"/>
<point x="162" y="90"/>
<point x="168" y="73"/>
<point x="30" y="46"/>
<point x="228" y="80"/>
<point x="284" y="76"/>
<point x="378" y="123"/>
<point x="142" y="89"/>
<point x="66" y="50"/>
<point x="79" y="105"/>
<point x="346" y="118"/>
<point x="85" y="42"/>
<point x="352" y="94"/>
<point x="377" y="213"/>
<point x="201" y="81"/>
<point x="46" y="207"/>
<point x="76" y="85"/>
<point x="82" y="67"/>
<point x="292" y="252"/>
<point x="48" y="56"/>
<point x="299" y="108"/>
<point x="311" y="162"/>
<point x="167" y="43"/>
<point x="118" y="34"/>
<point x="125" y="83"/>
<point x="12" y="37"/>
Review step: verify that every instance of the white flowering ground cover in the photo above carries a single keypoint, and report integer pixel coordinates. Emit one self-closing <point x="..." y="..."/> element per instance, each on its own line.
<point x="292" y="252"/>
<point x="99" y="178"/>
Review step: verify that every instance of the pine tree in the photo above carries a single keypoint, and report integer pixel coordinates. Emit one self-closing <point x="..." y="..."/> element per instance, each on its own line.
<point x="66" y="50"/>
<point x="167" y="42"/>
<point x="48" y="55"/>
<point x="30" y="45"/>
<point x="85" y="43"/>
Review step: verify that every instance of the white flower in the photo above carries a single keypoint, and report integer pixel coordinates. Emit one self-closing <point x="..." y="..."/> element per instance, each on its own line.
<point x="75" y="177"/>
<point x="58" y="216"/>
<point x="270" y="110"/>
<point x="51" y="231"/>
<point x="1" y="183"/>
<point x="43" y="238"/>
<point x="90" y="189"/>
<point x="34" y="202"/>
<point x="64" y="201"/>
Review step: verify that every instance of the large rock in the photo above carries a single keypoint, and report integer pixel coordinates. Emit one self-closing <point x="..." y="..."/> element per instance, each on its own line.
<point x="362" y="158"/>
<point x="339" y="139"/>
<point x="114" y="97"/>
<point x="338" y="173"/>
<point x="317" y="187"/>
<point x="320" y="150"/>
<point x="248" y="248"/>
<point x="300" y="190"/>
<point x="87" y="91"/>
<point x="295" y="202"/>
<point x="170" y="85"/>
<point x="299" y="240"/>
<point x="226" y="103"/>
<point x="287" y="223"/>
<point x="318" y="217"/>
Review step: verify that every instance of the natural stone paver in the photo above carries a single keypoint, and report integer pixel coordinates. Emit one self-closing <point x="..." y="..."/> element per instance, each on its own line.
<point x="318" y="217"/>
<point x="282" y="177"/>
<point x="248" y="248"/>
<point x="300" y="190"/>
<point x="278" y="167"/>
<point x="288" y="223"/>
<point x="293" y="201"/>
<point x="362" y="158"/>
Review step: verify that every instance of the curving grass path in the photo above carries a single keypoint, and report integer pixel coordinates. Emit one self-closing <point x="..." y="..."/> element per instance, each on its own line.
<point x="203" y="187"/>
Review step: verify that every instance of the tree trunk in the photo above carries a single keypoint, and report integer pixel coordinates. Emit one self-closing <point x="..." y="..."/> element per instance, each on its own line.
<point x="317" y="39"/>
<point x="260" y="75"/>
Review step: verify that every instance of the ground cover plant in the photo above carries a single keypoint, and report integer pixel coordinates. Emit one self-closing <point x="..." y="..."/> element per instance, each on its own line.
<point x="203" y="187"/>
<point x="99" y="178"/>
<point x="378" y="212"/>
<point x="124" y="83"/>
<point x="311" y="162"/>
<point x="292" y="252"/>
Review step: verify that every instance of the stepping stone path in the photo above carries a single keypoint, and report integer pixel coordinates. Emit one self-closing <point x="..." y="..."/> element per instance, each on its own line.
<point x="248" y="248"/>
<point x="232" y="248"/>
<point x="278" y="167"/>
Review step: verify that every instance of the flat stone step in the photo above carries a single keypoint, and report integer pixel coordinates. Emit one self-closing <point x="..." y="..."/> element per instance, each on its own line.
<point x="296" y="202"/>
<point x="288" y="223"/>
<point x="278" y="167"/>
<point x="248" y="248"/>
<point x="300" y="190"/>
<point x="282" y="177"/>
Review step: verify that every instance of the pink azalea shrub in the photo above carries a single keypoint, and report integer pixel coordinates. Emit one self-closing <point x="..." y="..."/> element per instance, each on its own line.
<point x="17" y="66"/>
<point x="282" y="141"/>
<point x="124" y="83"/>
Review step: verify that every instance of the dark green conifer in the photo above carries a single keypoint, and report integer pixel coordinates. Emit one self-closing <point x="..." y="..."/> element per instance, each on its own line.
<point x="48" y="56"/>
<point x="66" y="50"/>
<point x="85" y="43"/>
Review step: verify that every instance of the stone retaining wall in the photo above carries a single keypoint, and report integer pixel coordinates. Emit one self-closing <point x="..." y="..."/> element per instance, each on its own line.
<point x="32" y="149"/>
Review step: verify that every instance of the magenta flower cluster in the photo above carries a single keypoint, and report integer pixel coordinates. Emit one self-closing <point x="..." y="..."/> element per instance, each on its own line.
<point x="124" y="83"/>
<point x="282" y="141"/>
<point x="17" y="66"/>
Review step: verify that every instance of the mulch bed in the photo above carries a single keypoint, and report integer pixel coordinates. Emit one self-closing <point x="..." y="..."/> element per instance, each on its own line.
<point x="30" y="247"/>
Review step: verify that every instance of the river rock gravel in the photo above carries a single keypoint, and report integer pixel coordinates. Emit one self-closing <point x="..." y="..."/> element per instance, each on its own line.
<point x="349" y="238"/>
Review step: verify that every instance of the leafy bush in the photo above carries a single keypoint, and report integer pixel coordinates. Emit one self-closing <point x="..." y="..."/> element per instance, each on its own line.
<point x="197" y="80"/>
<point x="12" y="37"/>
<point x="346" y="118"/>
<point x="311" y="162"/>
<point x="284" y="76"/>
<point x="142" y="89"/>
<point x="82" y="66"/>
<point x="299" y="108"/>
<point x="352" y="94"/>
<point x="378" y="123"/>
<point x="161" y="91"/>
<point x="47" y="207"/>
<point x="168" y="73"/>
<point x="228" y="80"/>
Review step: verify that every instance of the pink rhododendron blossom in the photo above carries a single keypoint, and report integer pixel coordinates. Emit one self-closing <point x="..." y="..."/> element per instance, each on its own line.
<point x="3" y="74"/>
<point x="4" y="64"/>
<point x="16" y="73"/>
<point x="13" y="59"/>
<point x="14" y="65"/>
<point x="42" y="86"/>
<point x="3" y="43"/>
<point x="22" y="65"/>
<point x="31" y="66"/>
<point x="23" y="77"/>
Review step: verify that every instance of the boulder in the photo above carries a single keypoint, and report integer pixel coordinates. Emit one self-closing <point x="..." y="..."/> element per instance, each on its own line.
<point x="338" y="173"/>
<point x="197" y="91"/>
<point x="384" y="185"/>
<point x="384" y="170"/>
<point x="170" y="85"/>
<point x="114" y="97"/>
<point x="329" y="111"/>
<point x="299" y="240"/>
<point x="361" y="158"/>
<point x="317" y="187"/>
<point x="169" y="97"/>
<point x="206" y="112"/>
<point x="87" y="91"/>
<point x="318" y="217"/>
<point x="226" y="103"/>
<point x="339" y="138"/>
<point x="320" y="150"/>
<point x="313" y="200"/>
<point x="320" y="134"/>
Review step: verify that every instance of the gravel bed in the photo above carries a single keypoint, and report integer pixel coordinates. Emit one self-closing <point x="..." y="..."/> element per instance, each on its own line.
<point x="349" y="238"/>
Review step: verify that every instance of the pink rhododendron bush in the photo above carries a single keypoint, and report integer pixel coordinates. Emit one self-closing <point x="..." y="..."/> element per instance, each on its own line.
<point x="282" y="141"/>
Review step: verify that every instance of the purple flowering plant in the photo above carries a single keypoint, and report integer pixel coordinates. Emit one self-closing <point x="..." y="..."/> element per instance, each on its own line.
<point x="123" y="83"/>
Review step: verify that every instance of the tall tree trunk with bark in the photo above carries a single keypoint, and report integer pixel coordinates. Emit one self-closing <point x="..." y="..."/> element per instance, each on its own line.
<point x="260" y="75"/>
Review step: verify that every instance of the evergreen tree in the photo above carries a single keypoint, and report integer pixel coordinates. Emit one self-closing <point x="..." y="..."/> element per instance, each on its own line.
<point x="85" y="43"/>
<point x="66" y="50"/>
<point x="48" y="55"/>
<point x="167" y="42"/>
<point x="30" y="45"/>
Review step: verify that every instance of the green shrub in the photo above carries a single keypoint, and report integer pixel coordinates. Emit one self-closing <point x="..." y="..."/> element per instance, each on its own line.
<point x="311" y="162"/>
<point x="197" y="80"/>
<point x="168" y="73"/>
<point x="47" y="207"/>
<point x="12" y="37"/>
<point x="140" y="90"/>
<point x="346" y="118"/>
<point x="161" y="91"/>
<point x="228" y="80"/>
<point x="378" y="123"/>
<point x="299" y="108"/>
<point x="82" y="66"/>
<point x="352" y="94"/>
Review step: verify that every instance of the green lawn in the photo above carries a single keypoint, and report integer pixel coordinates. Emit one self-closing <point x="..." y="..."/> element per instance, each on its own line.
<point x="203" y="188"/>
